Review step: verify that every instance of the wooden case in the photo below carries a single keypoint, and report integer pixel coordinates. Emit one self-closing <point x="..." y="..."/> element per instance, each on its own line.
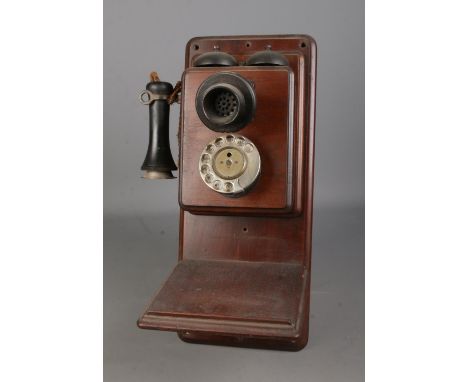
<point x="271" y="130"/>
<point x="243" y="275"/>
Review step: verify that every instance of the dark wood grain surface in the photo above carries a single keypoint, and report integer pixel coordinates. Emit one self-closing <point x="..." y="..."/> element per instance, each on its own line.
<point x="216" y="243"/>
<point x="270" y="130"/>
<point x="252" y="291"/>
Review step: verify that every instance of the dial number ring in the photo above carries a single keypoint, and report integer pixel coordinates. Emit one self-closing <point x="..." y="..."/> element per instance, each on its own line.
<point x="230" y="164"/>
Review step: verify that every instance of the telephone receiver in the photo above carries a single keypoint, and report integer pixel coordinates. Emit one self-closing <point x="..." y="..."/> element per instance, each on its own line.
<point x="158" y="163"/>
<point x="246" y="144"/>
<point x="225" y="103"/>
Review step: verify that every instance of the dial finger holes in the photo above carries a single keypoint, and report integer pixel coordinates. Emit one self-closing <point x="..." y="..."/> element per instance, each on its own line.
<point x="240" y="141"/>
<point x="248" y="148"/>
<point x="224" y="162"/>
<point x="228" y="186"/>
<point x="205" y="169"/>
<point x="217" y="185"/>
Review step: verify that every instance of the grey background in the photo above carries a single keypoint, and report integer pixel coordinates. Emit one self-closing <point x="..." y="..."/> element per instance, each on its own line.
<point x="141" y="217"/>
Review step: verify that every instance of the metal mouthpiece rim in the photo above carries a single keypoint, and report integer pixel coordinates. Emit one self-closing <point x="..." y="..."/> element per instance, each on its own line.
<point x="153" y="174"/>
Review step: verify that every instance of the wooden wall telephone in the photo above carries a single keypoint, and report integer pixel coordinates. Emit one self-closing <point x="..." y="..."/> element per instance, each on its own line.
<point x="246" y="143"/>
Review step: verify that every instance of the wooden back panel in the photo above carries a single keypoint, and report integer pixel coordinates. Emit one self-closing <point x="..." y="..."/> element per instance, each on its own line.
<point x="252" y="234"/>
<point x="259" y="293"/>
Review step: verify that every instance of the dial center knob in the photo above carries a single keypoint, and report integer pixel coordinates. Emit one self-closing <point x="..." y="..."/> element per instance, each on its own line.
<point x="229" y="163"/>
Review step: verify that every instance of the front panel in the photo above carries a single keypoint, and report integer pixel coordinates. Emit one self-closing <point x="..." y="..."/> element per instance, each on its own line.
<point x="271" y="130"/>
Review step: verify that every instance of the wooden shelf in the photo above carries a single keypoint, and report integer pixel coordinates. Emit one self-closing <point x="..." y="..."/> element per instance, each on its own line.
<point x="231" y="298"/>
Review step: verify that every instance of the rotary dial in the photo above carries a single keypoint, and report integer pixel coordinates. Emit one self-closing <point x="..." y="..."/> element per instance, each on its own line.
<point x="230" y="164"/>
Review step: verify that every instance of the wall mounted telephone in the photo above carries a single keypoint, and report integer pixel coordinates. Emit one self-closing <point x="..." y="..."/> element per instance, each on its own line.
<point x="246" y="148"/>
